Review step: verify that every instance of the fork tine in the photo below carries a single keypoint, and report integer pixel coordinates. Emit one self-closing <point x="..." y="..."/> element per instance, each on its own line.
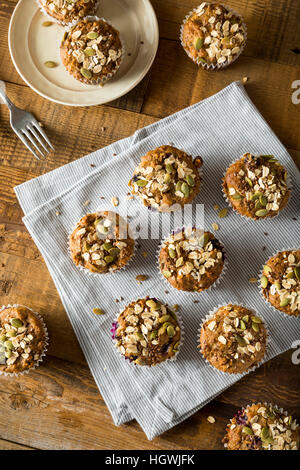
<point x="29" y="137"/>
<point x="32" y="130"/>
<point x="21" y="137"/>
<point x="42" y="132"/>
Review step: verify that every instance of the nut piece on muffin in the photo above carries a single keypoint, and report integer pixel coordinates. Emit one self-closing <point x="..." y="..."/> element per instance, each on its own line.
<point x="256" y="186"/>
<point x="68" y="11"/>
<point x="92" y="51"/>
<point x="213" y="35"/>
<point x="166" y="179"/>
<point x="22" y="339"/>
<point x="233" y="340"/>
<point x="280" y="282"/>
<point x="191" y="260"/>
<point x="262" y="426"/>
<point x="147" y="332"/>
<point x="101" y="242"/>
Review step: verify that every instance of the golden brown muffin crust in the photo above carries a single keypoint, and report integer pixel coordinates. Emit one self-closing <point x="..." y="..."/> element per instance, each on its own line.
<point x="166" y="177"/>
<point x="280" y="281"/>
<point x="148" y="332"/>
<point x="262" y="427"/>
<point x="67" y="11"/>
<point x="22" y="339"/>
<point x="234" y="339"/>
<point x="191" y="260"/>
<point x="256" y="186"/>
<point x="101" y="242"/>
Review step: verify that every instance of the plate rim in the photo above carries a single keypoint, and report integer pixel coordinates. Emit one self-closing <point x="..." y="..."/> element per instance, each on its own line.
<point x="101" y="102"/>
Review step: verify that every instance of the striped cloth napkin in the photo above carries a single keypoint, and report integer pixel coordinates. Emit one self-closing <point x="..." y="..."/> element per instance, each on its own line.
<point x="220" y="129"/>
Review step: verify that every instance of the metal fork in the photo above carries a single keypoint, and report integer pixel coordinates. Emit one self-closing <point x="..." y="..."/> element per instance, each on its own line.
<point x="26" y="127"/>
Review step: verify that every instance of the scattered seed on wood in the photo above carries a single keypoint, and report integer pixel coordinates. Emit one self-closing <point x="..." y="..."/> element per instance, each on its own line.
<point x="223" y="213"/>
<point x="57" y="212"/>
<point x="129" y="54"/>
<point x="244" y="79"/>
<point x="50" y="64"/>
<point x="145" y="254"/>
<point x="92" y="165"/>
<point x="46" y="24"/>
<point x="215" y="226"/>
<point x="216" y="207"/>
<point x="103" y="129"/>
<point x="141" y="277"/>
<point x="211" y="419"/>
<point x="86" y="203"/>
<point x="142" y="42"/>
<point x="98" y="311"/>
<point x="115" y="201"/>
<point x="252" y="280"/>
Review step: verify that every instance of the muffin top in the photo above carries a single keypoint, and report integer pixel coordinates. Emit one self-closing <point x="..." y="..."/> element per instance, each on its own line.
<point x="22" y="339"/>
<point x="101" y="242"/>
<point x="213" y="34"/>
<point x="66" y="11"/>
<point x="166" y="179"/>
<point x="191" y="260"/>
<point x="262" y="427"/>
<point x="147" y="332"/>
<point x="256" y="186"/>
<point x="234" y="339"/>
<point x="280" y="281"/>
<point x="91" y="51"/>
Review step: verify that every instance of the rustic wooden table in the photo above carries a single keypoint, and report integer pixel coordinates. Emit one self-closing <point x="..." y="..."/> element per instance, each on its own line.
<point x="59" y="406"/>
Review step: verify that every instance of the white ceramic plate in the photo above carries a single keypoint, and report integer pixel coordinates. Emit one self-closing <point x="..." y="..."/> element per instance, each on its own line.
<point x="32" y="44"/>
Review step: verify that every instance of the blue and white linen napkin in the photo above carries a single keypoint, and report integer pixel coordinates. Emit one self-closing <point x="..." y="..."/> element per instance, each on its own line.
<point x="220" y="129"/>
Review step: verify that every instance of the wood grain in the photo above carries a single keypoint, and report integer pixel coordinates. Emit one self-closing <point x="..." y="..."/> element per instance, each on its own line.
<point x="58" y="406"/>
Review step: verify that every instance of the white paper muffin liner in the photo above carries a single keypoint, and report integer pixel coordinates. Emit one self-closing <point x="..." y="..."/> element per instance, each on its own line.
<point x="103" y="80"/>
<point x="288" y="183"/>
<point x="62" y="23"/>
<point x="261" y="289"/>
<point x="217" y="281"/>
<point x="267" y="404"/>
<point x="113" y="271"/>
<point x="43" y="353"/>
<point x="205" y="65"/>
<point x="171" y="359"/>
<point x="209" y="316"/>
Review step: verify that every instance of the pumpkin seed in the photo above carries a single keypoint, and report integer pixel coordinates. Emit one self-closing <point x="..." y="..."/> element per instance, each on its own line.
<point x="153" y="334"/>
<point x="256" y="319"/>
<point x="223" y="213"/>
<point x="284" y="302"/>
<point x="297" y="272"/>
<point x="201" y="59"/>
<point x="255" y="326"/>
<point x="179" y="262"/>
<point x="267" y="269"/>
<point x="142" y="183"/>
<point x="50" y="64"/>
<point x="16" y="322"/>
<point x="237" y="196"/>
<point x="249" y="181"/>
<point x="11" y="333"/>
<point x="167" y="274"/>
<point x="8" y="353"/>
<point x="264" y="282"/>
<point x="114" y="252"/>
<point x="176" y="345"/>
<point x="108" y="259"/>
<point x="240" y="340"/>
<point x="47" y="24"/>
<point x="198" y="43"/>
<point x="264" y="433"/>
<point x="172" y="253"/>
<point x="86" y="73"/>
<point x="107" y="246"/>
<point x="261" y="212"/>
<point x="86" y="246"/>
<point x="170" y="331"/>
<point x="277" y="285"/>
<point x="92" y="35"/>
<point x="162" y="329"/>
<point x="98" y="311"/>
<point x="246" y="318"/>
<point x="89" y="51"/>
<point x="247" y="430"/>
<point x="190" y="180"/>
<point x="102" y="229"/>
<point x="291" y="275"/>
<point x="263" y="200"/>
<point x="164" y="318"/>
<point x="178" y="186"/>
<point x="97" y="221"/>
<point x="152" y="304"/>
<point x="270" y="415"/>
<point x="2" y="338"/>
<point x="204" y="239"/>
<point x="8" y="345"/>
<point x="290" y="420"/>
<point x="254" y="196"/>
<point x="258" y="204"/>
<point x="169" y="168"/>
<point x="185" y="189"/>
<point x="167" y="178"/>
<point x="242" y="325"/>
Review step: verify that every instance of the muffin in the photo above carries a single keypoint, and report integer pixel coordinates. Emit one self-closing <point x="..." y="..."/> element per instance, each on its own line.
<point x="68" y="11"/>
<point x="166" y="179"/>
<point x="256" y="186"/>
<point x="23" y="339"/>
<point x="280" y="282"/>
<point x="262" y="426"/>
<point x="213" y="36"/>
<point x="92" y="51"/>
<point x="191" y="260"/>
<point x="147" y="332"/>
<point x="233" y="339"/>
<point x="101" y="242"/>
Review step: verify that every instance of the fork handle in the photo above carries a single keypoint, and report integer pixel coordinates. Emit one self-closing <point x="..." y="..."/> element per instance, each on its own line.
<point x="3" y="95"/>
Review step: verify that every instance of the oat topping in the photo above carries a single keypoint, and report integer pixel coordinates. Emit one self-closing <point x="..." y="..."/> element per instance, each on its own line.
<point x="234" y="339"/>
<point x="101" y="242"/>
<point x="166" y="176"/>
<point x="92" y="51"/>
<point x="281" y="281"/>
<point x="213" y="34"/>
<point x="147" y="332"/>
<point x="262" y="427"/>
<point x="257" y="185"/>
<point x="191" y="259"/>
<point x="68" y="10"/>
